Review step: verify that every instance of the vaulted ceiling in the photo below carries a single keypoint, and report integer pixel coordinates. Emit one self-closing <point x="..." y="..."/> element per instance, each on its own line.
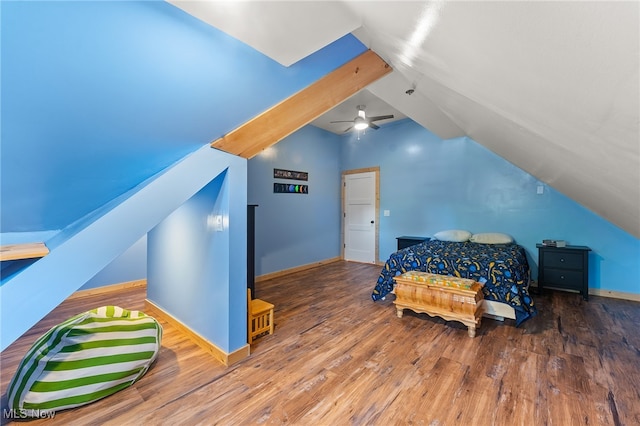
<point x="552" y="87"/>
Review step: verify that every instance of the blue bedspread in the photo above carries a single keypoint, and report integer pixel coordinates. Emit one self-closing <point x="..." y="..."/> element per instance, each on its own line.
<point x="503" y="268"/>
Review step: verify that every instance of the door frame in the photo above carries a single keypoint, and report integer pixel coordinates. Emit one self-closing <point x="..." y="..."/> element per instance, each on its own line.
<point x="376" y="170"/>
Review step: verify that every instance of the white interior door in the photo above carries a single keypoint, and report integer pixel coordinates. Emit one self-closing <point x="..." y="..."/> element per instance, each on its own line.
<point x="360" y="217"/>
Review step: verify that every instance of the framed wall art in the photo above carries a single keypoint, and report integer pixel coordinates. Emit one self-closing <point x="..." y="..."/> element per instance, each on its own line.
<point x="290" y="174"/>
<point x="289" y="188"/>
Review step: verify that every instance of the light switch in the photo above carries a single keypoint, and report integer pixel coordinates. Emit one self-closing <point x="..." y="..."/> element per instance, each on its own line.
<point x="387" y="212"/>
<point x="540" y="189"/>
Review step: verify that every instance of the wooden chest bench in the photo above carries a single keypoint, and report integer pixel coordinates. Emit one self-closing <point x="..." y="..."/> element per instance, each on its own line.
<point x="450" y="298"/>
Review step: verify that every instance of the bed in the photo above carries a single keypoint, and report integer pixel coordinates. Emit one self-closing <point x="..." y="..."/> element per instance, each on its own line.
<point x="502" y="268"/>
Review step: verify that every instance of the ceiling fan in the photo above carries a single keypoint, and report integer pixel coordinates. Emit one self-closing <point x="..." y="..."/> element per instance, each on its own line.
<point x="361" y="122"/>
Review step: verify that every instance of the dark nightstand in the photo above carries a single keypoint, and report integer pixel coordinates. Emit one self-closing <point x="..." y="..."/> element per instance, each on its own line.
<point x="405" y="241"/>
<point x="564" y="268"/>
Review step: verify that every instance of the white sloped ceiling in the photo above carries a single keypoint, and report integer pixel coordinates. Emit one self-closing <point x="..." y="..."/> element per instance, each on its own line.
<point x="552" y="87"/>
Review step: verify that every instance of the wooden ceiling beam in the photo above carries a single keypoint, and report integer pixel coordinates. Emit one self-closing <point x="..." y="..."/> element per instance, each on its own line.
<point x="23" y="251"/>
<point x="300" y="109"/>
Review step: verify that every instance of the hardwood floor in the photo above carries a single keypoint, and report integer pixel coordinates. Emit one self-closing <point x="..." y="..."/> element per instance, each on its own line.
<point x="338" y="358"/>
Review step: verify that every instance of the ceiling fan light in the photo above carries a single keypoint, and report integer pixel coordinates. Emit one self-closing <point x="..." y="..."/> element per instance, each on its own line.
<point x="360" y="125"/>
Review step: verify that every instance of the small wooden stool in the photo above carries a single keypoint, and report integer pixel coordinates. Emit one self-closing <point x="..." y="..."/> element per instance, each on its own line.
<point x="260" y="317"/>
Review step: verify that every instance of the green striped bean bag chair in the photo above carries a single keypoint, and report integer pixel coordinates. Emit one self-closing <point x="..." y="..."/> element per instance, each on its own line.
<point x="86" y="358"/>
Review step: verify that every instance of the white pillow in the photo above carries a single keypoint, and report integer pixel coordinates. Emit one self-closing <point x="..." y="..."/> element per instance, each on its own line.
<point x="492" y="238"/>
<point x="456" y="235"/>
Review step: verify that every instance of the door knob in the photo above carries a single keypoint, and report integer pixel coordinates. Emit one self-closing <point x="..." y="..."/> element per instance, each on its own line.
<point x="371" y="221"/>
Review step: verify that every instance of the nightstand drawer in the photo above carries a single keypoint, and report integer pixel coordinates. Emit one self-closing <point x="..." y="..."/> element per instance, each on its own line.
<point x="560" y="259"/>
<point x="563" y="278"/>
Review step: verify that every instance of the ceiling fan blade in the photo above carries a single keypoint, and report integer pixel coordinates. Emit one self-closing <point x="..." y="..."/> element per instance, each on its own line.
<point x="380" y="117"/>
<point x="351" y="127"/>
<point x="344" y="121"/>
<point x="373" y="126"/>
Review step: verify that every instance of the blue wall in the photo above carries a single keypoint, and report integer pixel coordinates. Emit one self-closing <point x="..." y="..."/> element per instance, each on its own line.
<point x="197" y="259"/>
<point x="97" y="96"/>
<point x="129" y="266"/>
<point x="428" y="185"/>
<point x="297" y="229"/>
<point x="431" y="185"/>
